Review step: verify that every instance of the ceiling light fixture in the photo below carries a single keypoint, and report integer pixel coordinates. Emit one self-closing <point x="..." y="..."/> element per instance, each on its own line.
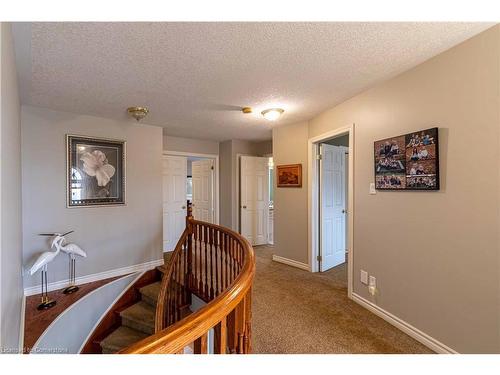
<point x="246" y="110"/>
<point x="138" y="112"/>
<point x="272" y="114"/>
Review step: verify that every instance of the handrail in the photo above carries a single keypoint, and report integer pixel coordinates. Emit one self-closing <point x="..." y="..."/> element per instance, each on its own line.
<point x="167" y="277"/>
<point x="228" y="312"/>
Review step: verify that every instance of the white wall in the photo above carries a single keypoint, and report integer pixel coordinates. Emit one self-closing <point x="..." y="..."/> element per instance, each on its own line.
<point x="198" y="146"/>
<point x="10" y="203"/>
<point x="113" y="237"/>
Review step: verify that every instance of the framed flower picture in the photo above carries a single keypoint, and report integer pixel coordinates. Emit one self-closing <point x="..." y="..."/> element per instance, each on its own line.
<point x="95" y="171"/>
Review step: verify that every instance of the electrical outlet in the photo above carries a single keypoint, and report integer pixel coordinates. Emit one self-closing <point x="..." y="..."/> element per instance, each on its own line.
<point x="372" y="188"/>
<point x="364" y="277"/>
<point x="372" y="285"/>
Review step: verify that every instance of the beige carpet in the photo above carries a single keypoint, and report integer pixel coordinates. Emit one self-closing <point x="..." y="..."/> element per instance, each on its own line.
<point x="295" y="311"/>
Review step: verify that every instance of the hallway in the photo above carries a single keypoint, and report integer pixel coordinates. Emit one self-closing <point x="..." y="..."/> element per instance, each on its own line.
<point x="295" y="311"/>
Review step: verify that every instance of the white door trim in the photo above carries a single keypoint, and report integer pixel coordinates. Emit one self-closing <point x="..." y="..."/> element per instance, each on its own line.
<point x="313" y="201"/>
<point x="209" y="156"/>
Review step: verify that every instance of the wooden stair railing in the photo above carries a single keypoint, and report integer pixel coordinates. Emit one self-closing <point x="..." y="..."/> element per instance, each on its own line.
<point x="216" y="265"/>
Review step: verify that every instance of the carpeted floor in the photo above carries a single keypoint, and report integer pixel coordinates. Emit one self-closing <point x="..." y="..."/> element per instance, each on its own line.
<point x="295" y="311"/>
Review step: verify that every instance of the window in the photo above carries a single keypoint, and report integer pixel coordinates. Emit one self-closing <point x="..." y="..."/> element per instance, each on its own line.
<point x="76" y="185"/>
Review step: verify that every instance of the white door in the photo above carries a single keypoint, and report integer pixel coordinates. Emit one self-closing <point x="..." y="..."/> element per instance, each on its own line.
<point x="203" y="190"/>
<point x="254" y="198"/>
<point x="333" y="206"/>
<point x="174" y="199"/>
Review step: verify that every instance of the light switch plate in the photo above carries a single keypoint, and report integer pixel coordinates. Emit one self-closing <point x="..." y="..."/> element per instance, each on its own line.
<point x="364" y="277"/>
<point x="373" y="281"/>
<point x="372" y="188"/>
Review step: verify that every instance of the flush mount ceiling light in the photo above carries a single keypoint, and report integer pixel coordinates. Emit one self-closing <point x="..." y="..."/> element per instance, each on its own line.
<point x="272" y="114"/>
<point x="138" y="112"/>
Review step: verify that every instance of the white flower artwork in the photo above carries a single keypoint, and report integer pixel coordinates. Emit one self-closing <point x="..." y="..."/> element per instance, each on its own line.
<point x="96" y="171"/>
<point x="96" y="164"/>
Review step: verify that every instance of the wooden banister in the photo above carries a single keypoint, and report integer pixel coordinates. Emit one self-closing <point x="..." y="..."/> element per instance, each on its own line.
<point x="217" y="265"/>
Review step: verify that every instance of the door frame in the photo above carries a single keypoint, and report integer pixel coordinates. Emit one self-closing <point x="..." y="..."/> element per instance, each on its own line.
<point x="216" y="175"/>
<point x="238" y="186"/>
<point x="238" y="193"/>
<point x="313" y="201"/>
<point x="238" y="190"/>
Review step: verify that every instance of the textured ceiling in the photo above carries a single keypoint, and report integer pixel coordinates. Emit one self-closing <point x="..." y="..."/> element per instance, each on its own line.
<point x="195" y="77"/>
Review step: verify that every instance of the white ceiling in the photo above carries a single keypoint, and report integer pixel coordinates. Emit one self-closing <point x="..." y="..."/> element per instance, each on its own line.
<point x="195" y="77"/>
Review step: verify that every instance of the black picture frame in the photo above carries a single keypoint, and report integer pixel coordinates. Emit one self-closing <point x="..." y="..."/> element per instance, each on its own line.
<point x="408" y="162"/>
<point x="95" y="174"/>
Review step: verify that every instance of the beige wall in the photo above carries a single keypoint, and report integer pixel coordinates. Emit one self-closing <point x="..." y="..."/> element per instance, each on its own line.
<point x="290" y="204"/>
<point x="198" y="146"/>
<point x="11" y="286"/>
<point x="435" y="254"/>
<point x="115" y="236"/>
<point x="225" y="184"/>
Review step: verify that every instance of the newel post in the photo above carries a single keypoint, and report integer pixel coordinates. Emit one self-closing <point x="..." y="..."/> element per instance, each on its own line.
<point x="190" y="229"/>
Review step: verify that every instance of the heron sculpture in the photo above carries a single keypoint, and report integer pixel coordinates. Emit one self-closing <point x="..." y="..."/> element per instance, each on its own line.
<point x="73" y="250"/>
<point x="41" y="263"/>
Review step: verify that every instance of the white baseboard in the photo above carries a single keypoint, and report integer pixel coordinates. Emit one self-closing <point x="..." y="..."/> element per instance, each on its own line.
<point x="407" y="328"/>
<point x="96" y="276"/>
<point x="291" y="262"/>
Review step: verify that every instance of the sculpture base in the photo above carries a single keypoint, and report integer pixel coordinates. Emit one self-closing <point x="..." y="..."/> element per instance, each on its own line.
<point x="71" y="289"/>
<point x="46" y="305"/>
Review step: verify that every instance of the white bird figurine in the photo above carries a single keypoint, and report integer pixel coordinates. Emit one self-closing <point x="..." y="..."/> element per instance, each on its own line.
<point x="41" y="263"/>
<point x="72" y="250"/>
<point x="43" y="259"/>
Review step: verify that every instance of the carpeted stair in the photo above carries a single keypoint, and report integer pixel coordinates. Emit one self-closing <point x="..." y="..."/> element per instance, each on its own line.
<point x="137" y="321"/>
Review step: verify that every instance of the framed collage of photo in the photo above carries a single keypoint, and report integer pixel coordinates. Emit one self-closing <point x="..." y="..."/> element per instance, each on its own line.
<point x="408" y="162"/>
<point x="95" y="171"/>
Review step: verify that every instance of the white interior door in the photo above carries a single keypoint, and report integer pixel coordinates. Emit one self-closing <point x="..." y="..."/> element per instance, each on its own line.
<point x="174" y="199"/>
<point x="203" y="190"/>
<point x="333" y="206"/>
<point x="254" y="198"/>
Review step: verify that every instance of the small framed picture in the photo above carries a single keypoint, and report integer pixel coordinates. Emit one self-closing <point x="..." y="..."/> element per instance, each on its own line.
<point x="95" y="171"/>
<point x="289" y="175"/>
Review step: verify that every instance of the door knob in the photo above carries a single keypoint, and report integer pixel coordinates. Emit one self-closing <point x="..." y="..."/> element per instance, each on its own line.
<point x="183" y="207"/>
<point x="244" y="206"/>
<point x="344" y="211"/>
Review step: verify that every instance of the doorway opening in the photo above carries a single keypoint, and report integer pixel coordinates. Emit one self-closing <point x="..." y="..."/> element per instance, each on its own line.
<point x="188" y="178"/>
<point x="270" y="233"/>
<point x="331" y="198"/>
<point x="255" y="198"/>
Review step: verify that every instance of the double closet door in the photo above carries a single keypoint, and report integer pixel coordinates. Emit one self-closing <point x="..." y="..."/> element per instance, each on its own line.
<point x="175" y="195"/>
